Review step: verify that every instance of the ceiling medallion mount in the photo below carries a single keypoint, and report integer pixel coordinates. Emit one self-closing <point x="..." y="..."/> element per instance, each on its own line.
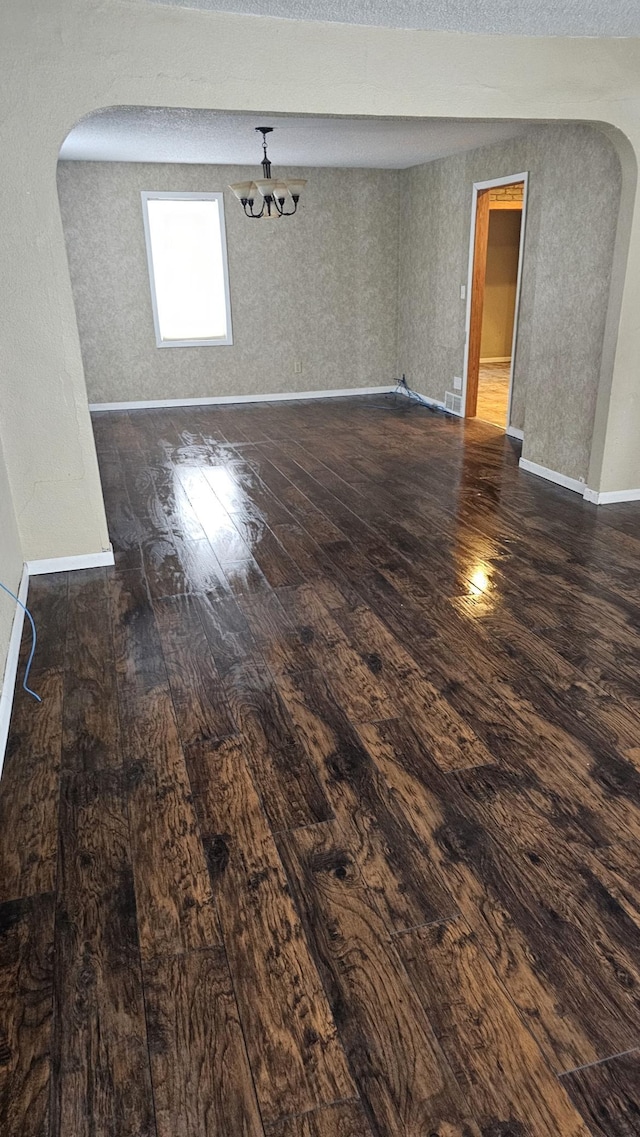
<point x="273" y="191"/>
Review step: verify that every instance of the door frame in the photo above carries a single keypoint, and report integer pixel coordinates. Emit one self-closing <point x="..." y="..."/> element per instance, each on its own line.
<point x="477" y="188"/>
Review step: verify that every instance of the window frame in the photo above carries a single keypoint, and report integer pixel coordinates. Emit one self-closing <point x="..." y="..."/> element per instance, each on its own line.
<point x="152" y="195"/>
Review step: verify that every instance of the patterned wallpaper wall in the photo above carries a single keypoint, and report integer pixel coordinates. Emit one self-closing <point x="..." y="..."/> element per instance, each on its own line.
<point x="572" y="209"/>
<point x="319" y="287"/>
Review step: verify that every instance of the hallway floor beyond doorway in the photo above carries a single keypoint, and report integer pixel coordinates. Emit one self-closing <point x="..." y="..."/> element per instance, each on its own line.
<point x="493" y="393"/>
<point x="328" y="824"/>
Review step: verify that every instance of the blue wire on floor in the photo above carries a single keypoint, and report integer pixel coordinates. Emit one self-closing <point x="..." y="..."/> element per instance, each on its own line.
<point x="34" y="639"/>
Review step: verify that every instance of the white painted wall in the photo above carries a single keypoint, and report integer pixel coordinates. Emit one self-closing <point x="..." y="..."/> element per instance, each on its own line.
<point x="10" y="565"/>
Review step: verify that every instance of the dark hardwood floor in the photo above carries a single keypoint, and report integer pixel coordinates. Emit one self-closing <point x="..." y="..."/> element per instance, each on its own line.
<point x="328" y="824"/>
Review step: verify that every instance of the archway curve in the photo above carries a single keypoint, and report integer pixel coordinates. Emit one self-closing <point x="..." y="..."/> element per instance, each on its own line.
<point x="619" y="143"/>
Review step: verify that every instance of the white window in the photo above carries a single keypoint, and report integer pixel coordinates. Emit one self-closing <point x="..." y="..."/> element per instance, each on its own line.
<point x="187" y="254"/>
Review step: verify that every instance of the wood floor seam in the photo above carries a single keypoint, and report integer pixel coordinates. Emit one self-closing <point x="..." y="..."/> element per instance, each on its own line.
<point x="634" y="1050"/>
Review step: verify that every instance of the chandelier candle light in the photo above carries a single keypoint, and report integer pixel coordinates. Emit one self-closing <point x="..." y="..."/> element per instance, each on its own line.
<point x="272" y="191"/>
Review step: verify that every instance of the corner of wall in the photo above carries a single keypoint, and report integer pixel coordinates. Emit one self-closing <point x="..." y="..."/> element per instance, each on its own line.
<point x="629" y="175"/>
<point x="11" y="567"/>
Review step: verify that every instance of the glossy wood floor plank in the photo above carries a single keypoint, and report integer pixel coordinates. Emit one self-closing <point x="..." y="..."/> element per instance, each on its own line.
<point x="346" y="1120"/>
<point x="406" y="888"/>
<point x="393" y="1053"/>
<point x="30" y="792"/>
<point x="173" y="893"/>
<point x="285" y="774"/>
<point x="296" y="1059"/>
<point x="30" y="786"/>
<point x="355" y="681"/>
<point x="175" y="566"/>
<point x="91" y="736"/>
<point x="494" y="1058"/>
<point x="361" y="515"/>
<point x="284" y="645"/>
<point x="125" y="528"/>
<point x="276" y="564"/>
<point x="202" y="711"/>
<point x="590" y="731"/>
<point x="246" y="580"/>
<point x="597" y="934"/>
<point x="26" y="1014"/>
<point x="488" y="690"/>
<point x="522" y="938"/>
<point x="202" y="1085"/>
<point x="102" y="1082"/>
<point x="227" y="632"/>
<point x="357" y="688"/>
<point x="608" y="1095"/>
<point x="451" y="743"/>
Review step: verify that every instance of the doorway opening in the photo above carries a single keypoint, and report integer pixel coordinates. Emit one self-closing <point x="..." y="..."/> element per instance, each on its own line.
<point x="495" y="271"/>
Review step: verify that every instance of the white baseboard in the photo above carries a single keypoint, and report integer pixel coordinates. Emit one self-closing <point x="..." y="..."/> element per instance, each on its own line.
<point x="513" y="432"/>
<point x="11" y="665"/>
<point x="596" y="497"/>
<point x="35" y="568"/>
<point x="552" y="476"/>
<point x="216" y="400"/>
<point x="496" y="359"/>
<point x="70" y="564"/>
<point x="610" y="497"/>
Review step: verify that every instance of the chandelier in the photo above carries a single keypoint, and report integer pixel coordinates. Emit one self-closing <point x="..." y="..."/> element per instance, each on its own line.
<point x="274" y="193"/>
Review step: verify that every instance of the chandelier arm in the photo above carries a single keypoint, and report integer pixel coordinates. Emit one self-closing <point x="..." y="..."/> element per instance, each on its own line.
<point x="248" y="209"/>
<point x="282" y="212"/>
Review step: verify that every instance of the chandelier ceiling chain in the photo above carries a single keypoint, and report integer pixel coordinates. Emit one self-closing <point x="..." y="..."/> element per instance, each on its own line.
<point x="273" y="191"/>
<point x="266" y="164"/>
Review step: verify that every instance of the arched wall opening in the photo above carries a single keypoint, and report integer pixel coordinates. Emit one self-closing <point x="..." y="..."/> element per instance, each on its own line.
<point x="364" y="284"/>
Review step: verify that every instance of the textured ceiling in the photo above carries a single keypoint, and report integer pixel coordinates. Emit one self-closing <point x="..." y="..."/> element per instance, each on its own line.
<point x="162" y="134"/>
<point x="489" y="17"/>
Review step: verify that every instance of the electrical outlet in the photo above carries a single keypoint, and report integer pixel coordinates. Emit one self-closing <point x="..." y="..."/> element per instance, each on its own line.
<point x="457" y="383"/>
<point x="463" y="292"/>
<point x="297" y="367"/>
